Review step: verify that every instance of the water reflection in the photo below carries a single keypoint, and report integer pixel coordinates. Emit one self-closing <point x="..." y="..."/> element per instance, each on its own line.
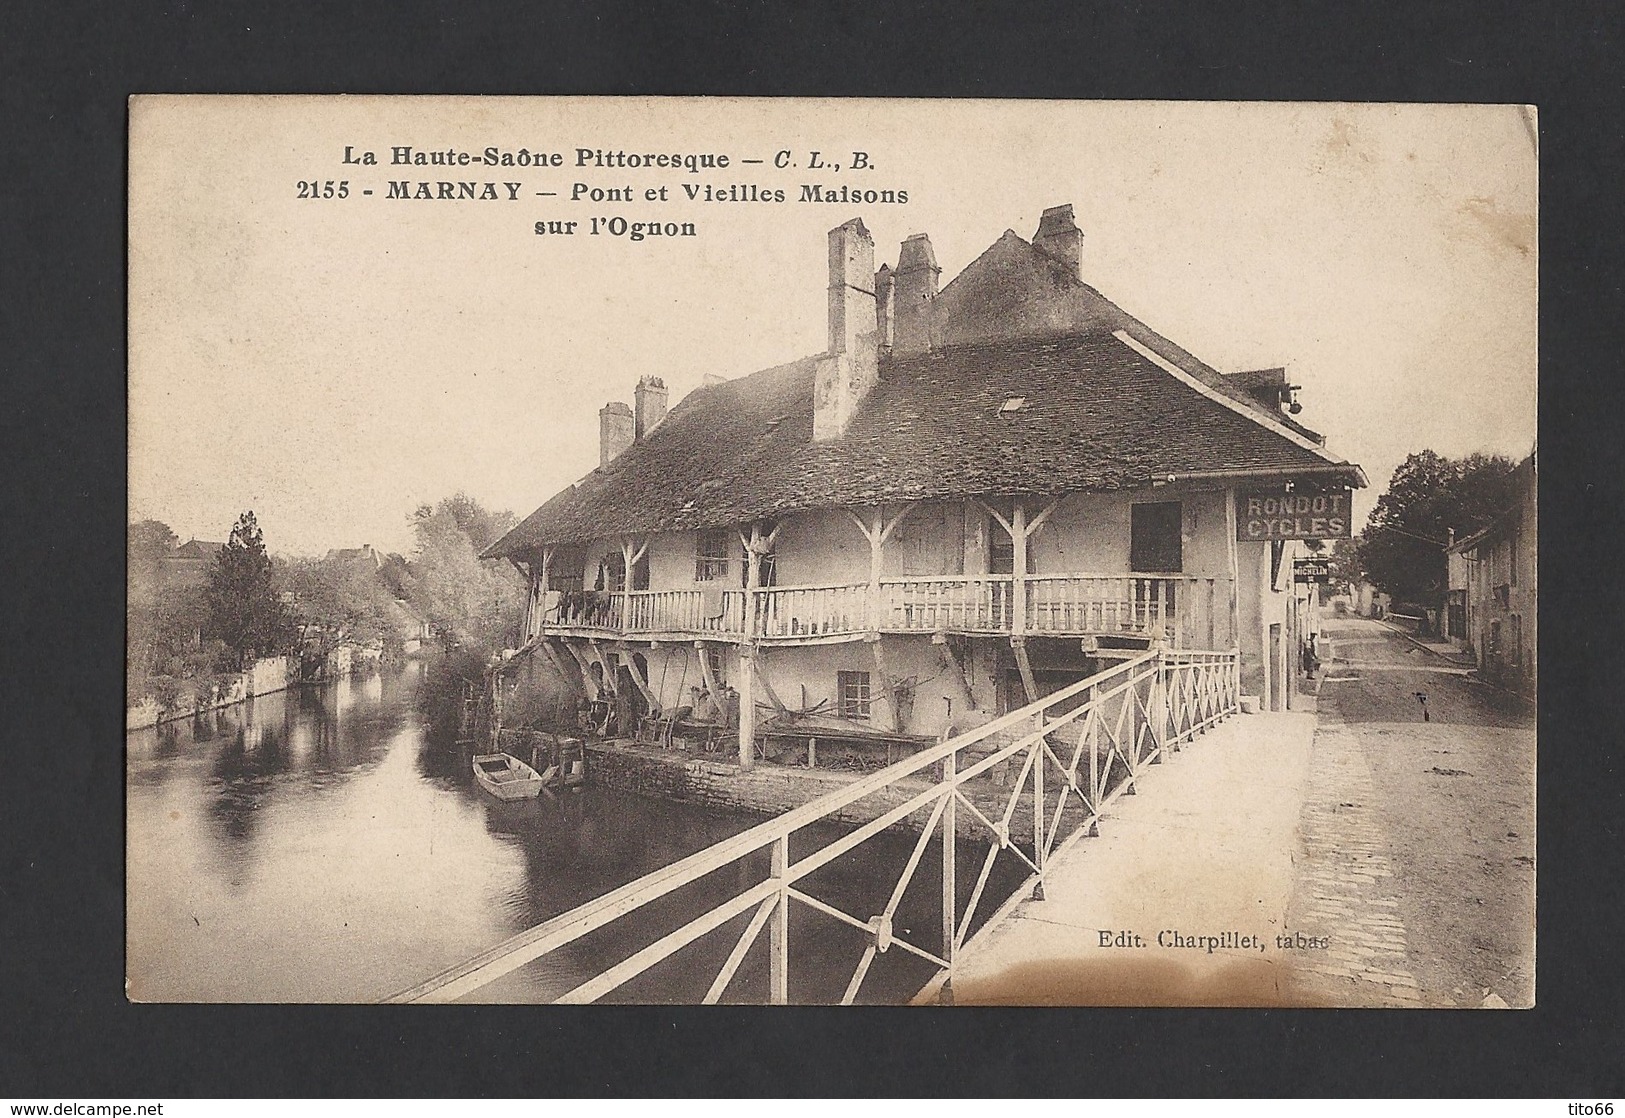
<point x="314" y="846"/>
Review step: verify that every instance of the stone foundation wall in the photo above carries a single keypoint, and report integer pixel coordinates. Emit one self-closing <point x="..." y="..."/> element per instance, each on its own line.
<point x="774" y="789"/>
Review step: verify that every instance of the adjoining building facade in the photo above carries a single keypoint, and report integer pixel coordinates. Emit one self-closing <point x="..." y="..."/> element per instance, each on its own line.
<point x="1494" y="590"/>
<point x="978" y="494"/>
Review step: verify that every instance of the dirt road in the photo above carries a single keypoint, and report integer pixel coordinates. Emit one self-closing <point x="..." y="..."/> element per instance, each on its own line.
<point x="1418" y="832"/>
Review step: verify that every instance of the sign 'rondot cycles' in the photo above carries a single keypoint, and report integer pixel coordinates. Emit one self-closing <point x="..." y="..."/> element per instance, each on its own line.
<point x="1279" y="515"/>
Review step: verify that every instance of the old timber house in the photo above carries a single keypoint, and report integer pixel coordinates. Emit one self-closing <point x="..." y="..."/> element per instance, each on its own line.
<point x="977" y="495"/>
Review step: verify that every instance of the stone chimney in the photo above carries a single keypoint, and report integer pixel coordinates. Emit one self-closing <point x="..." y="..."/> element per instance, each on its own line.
<point x="1060" y="239"/>
<point x="885" y="306"/>
<point x="616" y="431"/>
<point x="648" y="406"/>
<point x="916" y="286"/>
<point x="850" y="369"/>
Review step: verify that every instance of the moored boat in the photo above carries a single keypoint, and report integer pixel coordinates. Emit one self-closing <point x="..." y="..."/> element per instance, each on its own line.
<point x="507" y="778"/>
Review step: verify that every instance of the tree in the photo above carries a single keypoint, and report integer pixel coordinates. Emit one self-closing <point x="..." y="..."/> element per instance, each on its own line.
<point x="149" y="543"/>
<point x="335" y="602"/>
<point x="1402" y="549"/>
<point x="244" y="608"/>
<point x="469" y="602"/>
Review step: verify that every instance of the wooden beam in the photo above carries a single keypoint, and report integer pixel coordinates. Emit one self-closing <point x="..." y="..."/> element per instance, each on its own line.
<point x="1018" y="569"/>
<point x="956" y="669"/>
<point x="747" y="708"/>
<point x="759" y="662"/>
<point x="706" y="673"/>
<point x="611" y="684"/>
<point x="1028" y="682"/>
<point x="637" y="678"/>
<point x="886" y="532"/>
<point x="1038" y="521"/>
<point x="863" y="525"/>
<point x="594" y="691"/>
<point x="996" y="515"/>
<point x="1233" y="565"/>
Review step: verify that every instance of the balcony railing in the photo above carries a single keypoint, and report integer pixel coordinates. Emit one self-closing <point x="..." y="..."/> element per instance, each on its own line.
<point x="1186" y="611"/>
<point x="811" y="611"/>
<point x="962" y="604"/>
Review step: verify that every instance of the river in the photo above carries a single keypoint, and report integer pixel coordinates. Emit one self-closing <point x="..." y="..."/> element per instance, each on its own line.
<point x="314" y="846"/>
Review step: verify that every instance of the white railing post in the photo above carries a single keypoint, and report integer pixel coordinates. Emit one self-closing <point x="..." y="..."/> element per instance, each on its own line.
<point x="1091" y="740"/>
<point x="1038" y="809"/>
<point x="1158" y="713"/>
<point x="779" y="927"/>
<point x="950" y="890"/>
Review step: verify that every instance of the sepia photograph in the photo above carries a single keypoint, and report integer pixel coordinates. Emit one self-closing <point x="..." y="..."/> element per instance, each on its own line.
<point x="831" y="552"/>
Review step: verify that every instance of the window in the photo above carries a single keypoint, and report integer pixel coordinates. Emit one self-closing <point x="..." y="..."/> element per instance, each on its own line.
<point x="1001" y="549"/>
<point x="852" y="689"/>
<point x="1155" y="537"/>
<point x="713" y="549"/>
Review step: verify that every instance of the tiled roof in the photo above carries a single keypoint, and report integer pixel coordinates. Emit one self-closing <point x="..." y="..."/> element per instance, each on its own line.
<point x="1098" y="414"/>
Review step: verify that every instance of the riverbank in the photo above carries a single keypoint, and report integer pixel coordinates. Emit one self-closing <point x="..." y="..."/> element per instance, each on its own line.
<point x="266" y="677"/>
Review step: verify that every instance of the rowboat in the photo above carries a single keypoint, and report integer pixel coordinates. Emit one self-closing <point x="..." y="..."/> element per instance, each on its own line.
<point x="507" y="778"/>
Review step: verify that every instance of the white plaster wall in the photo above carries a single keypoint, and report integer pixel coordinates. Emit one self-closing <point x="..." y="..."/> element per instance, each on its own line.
<point x="821" y="546"/>
<point x="815" y="667"/>
<point x="1089" y="533"/>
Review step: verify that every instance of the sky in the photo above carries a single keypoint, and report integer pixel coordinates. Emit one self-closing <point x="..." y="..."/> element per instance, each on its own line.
<point x="332" y="363"/>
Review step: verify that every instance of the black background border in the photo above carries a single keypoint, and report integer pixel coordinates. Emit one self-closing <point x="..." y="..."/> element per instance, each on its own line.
<point x="65" y="71"/>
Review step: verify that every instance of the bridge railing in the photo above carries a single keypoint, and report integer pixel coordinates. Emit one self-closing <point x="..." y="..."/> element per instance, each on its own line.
<point x="1073" y="752"/>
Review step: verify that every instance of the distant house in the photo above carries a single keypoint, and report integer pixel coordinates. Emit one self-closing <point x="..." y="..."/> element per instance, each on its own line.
<point x="191" y="562"/>
<point x="1495" y="583"/>
<point x="364" y="558"/>
<point x="977" y="495"/>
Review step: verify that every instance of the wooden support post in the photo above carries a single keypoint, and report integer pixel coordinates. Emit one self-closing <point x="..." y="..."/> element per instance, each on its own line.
<point x="779" y="926"/>
<point x="537" y="625"/>
<point x="747" y="708"/>
<point x="877" y="544"/>
<point x="1234" y="567"/>
<point x="877" y="531"/>
<point x="877" y="646"/>
<point x="1018" y="567"/>
<point x="630" y="556"/>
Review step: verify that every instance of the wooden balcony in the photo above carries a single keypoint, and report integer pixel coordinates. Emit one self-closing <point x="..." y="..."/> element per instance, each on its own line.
<point x="1183" y="611"/>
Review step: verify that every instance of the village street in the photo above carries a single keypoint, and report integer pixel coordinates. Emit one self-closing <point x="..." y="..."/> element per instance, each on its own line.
<point x="1418" y="836"/>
